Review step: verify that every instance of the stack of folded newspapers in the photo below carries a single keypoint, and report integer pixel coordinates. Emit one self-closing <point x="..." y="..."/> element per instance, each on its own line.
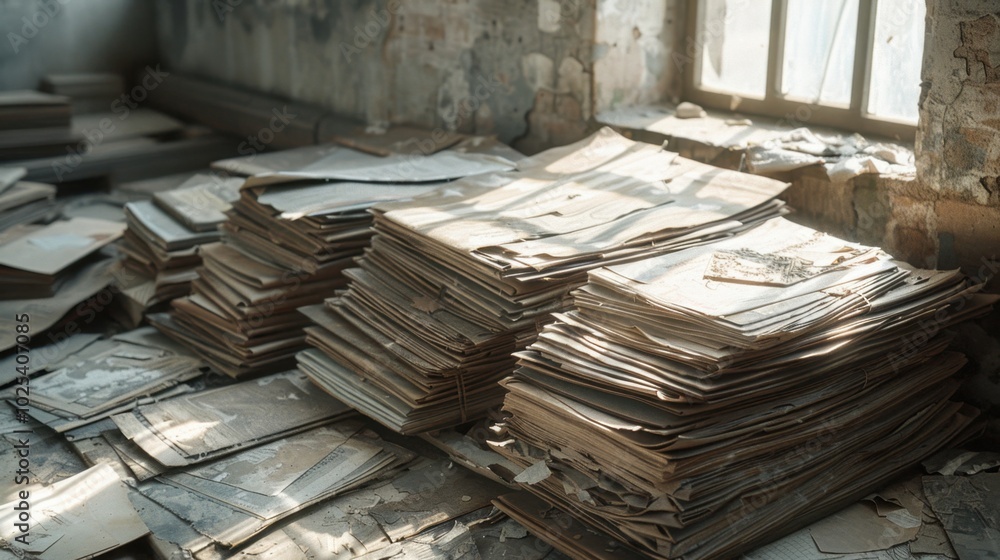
<point x="296" y="225"/>
<point x="695" y="404"/>
<point x="459" y="279"/>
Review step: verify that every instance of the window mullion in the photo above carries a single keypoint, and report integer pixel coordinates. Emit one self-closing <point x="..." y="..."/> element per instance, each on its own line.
<point x="863" y="56"/>
<point x="775" y="51"/>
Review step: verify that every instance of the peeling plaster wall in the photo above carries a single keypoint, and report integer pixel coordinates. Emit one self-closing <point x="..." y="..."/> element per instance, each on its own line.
<point x="958" y="152"/>
<point x="632" y="62"/>
<point x="51" y="36"/>
<point x="956" y="214"/>
<point x="521" y="70"/>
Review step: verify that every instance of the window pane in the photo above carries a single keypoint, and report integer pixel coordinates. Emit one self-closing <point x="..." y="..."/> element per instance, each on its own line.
<point x="733" y="35"/>
<point x="819" y="50"/>
<point x="897" y="53"/>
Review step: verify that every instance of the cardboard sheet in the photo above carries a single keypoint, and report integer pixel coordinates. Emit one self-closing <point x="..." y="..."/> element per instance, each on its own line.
<point x="207" y="425"/>
<point x="57" y="246"/>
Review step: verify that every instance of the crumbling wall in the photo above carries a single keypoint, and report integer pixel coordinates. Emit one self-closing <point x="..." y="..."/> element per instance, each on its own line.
<point x="634" y="40"/>
<point x="520" y="70"/>
<point x="958" y="152"/>
<point x="952" y="215"/>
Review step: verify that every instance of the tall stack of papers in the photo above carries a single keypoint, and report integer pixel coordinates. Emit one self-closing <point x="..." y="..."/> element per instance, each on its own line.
<point x="696" y="404"/>
<point x="457" y="280"/>
<point x="36" y="261"/>
<point x="289" y="236"/>
<point x="164" y="235"/>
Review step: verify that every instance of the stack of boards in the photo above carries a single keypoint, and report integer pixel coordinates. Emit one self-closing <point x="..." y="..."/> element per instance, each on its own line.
<point x="23" y="202"/>
<point x="88" y="92"/>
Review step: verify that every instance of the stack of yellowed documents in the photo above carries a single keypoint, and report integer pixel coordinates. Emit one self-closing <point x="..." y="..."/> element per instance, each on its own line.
<point x="459" y="279"/>
<point x="288" y="237"/>
<point x="163" y="239"/>
<point x="696" y="404"/>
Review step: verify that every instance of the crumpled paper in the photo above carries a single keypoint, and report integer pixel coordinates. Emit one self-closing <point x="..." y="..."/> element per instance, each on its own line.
<point x="843" y="156"/>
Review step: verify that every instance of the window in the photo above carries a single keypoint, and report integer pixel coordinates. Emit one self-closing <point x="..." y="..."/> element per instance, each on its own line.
<point x="851" y="64"/>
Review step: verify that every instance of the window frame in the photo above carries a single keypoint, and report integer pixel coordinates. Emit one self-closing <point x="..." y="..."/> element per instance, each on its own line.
<point x="791" y="111"/>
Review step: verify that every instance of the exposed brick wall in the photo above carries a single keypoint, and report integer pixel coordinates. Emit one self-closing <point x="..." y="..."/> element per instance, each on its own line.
<point x="958" y="162"/>
<point x="958" y="142"/>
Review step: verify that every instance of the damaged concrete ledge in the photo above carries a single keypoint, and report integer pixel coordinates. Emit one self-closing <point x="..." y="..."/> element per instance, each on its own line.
<point x="909" y="217"/>
<point x="857" y="208"/>
<point x="717" y="131"/>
